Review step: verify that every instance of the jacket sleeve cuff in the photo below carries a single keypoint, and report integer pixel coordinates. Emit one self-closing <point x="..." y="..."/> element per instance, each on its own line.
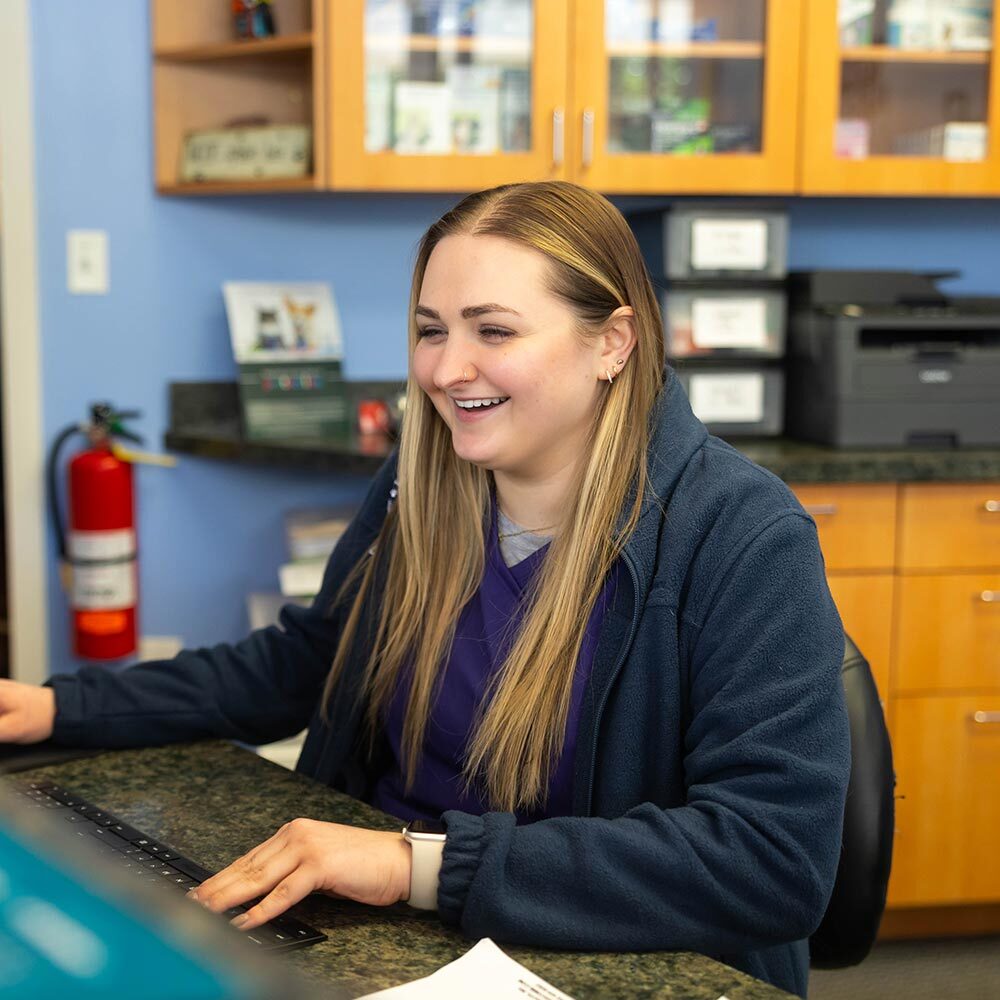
<point x="462" y="851"/>
<point x="68" y="727"/>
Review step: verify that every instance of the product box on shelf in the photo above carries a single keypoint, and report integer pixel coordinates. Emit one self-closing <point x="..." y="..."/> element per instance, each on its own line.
<point x="855" y="22"/>
<point x="959" y="141"/>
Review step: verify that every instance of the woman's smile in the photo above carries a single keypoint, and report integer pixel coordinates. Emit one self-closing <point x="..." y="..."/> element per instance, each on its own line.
<point x="478" y="408"/>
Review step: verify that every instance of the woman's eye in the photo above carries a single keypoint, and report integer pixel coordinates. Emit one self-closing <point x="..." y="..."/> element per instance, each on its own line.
<point x="428" y="331"/>
<point x="495" y="332"/>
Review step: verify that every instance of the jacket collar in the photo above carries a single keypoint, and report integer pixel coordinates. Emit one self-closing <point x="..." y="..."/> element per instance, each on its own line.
<point x="676" y="436"/>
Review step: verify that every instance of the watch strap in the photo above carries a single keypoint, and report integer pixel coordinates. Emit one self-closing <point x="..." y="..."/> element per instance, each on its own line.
<point x="425" y="868"/>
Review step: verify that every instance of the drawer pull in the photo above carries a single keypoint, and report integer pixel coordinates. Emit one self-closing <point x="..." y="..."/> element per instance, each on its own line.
<point x="986" y="718"/>
<point x="992" y="506"/>
<point x="821" y="509"/>
<point x="990" y="597"/>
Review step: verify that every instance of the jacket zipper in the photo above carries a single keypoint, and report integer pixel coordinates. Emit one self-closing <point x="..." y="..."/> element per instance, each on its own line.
<point x="614" y="676"/>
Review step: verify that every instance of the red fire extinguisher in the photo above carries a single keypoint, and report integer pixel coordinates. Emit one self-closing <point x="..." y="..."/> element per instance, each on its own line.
<point x="98" y="549"/>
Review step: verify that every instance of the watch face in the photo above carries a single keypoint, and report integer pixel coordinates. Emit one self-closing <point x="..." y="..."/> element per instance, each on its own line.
<point x="432" y="826"/>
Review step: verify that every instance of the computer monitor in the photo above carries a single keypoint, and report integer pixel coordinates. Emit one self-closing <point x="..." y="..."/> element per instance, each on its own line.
<point x="72" y="925"/>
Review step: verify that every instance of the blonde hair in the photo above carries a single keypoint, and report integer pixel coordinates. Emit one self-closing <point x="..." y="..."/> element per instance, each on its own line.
<point x="433" y="565"/>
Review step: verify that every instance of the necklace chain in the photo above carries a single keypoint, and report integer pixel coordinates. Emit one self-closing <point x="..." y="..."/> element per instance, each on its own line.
<point x="503" y="535"/>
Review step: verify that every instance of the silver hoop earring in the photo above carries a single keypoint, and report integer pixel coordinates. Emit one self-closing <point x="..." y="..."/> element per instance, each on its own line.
<point x="610" y="375"/>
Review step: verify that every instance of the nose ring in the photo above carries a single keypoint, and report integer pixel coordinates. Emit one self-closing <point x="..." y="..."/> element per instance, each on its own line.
<point x="465" y="377"/>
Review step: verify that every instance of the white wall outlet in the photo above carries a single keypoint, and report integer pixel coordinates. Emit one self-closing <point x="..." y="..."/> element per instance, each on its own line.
<point x="87" y="261"/>
<point x="160" y="647"/>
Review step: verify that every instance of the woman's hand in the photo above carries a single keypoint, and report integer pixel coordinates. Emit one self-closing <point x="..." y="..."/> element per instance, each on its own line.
<point x="306" y="856"/>
<point x="27" y="712"/>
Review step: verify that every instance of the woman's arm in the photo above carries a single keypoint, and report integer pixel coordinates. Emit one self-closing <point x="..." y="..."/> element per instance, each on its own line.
<point x="749" y="860"/>
<point x="258" y="690"/>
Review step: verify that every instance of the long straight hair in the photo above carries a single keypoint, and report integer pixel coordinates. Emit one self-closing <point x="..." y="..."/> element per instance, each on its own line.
<point x="432" y="543"/>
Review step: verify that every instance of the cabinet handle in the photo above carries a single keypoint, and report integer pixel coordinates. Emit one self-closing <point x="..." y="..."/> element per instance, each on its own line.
<point x="992" y="506"/>
<point x="588" y="138"/>
<point x="821" y="509"/>
<point x="990" y="597"/>
<point x="985" y="718"/>
<point x="558" y="137"/>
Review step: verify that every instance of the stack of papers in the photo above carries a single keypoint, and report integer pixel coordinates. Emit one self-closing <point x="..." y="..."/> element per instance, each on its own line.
<point x="483" y="972"/>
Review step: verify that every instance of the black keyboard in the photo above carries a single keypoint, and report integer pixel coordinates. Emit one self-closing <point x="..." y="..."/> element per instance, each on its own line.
<point x="152" y="861"/>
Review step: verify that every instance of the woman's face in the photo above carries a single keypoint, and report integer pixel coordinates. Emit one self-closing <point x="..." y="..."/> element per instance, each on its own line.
<point x="485" y="315"/>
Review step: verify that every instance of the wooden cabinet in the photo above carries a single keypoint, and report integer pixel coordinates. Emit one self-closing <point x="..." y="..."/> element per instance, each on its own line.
<point x="426" y="98"/>
<point x="657" y="112"/>
<point x="915" y="572"/>
<point x="857" y="532"/>
<point x="204" y="79"/>
<point x="947" y="769"/>
<point x="904" y="102"/>
<point x="625" y="96"/>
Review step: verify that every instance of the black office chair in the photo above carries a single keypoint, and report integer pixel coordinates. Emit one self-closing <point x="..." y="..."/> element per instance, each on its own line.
<point x="854" y="912"/>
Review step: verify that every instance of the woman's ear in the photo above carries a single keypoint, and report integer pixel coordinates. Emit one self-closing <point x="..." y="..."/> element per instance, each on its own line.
<point x="618" y="339"/>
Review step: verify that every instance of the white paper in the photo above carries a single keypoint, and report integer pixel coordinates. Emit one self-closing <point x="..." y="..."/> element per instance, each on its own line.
<point x="729" y="322"/>
<point x="483" y="972"/>
<point x="729" y="399"/>
<point x="729" y="245"/>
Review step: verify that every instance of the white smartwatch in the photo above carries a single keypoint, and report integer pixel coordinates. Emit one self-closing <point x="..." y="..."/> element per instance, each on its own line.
<point x="426" y="839"/>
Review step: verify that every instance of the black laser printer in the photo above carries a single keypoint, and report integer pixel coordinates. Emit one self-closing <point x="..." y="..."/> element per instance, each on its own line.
<point x="884" y="358"/>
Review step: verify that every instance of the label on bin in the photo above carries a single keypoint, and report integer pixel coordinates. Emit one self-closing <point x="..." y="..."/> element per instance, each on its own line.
<point x="729" y="245"/>
<point x="729" y="322"/>
<point x="728" y="398"/>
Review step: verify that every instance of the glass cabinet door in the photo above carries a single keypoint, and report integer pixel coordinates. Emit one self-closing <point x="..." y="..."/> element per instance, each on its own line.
<point x="901" y="98"/>
<point x="446" y="94"/>
<point x="687" y="95"/>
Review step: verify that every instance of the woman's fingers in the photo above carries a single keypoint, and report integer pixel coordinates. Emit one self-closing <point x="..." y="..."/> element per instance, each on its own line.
<point x="249" y="876"/>
<point x="304" y="856"/>
<point x="286" y="893"/>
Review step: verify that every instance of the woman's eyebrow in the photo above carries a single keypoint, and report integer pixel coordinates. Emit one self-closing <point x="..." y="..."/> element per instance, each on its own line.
<point x="469" y="312"/>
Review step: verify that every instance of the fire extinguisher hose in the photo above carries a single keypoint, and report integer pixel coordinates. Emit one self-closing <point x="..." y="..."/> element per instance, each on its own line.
<point x="52" y="479"/>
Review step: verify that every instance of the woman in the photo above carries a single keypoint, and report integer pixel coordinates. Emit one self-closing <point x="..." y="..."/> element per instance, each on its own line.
<point x="594" y="640"/>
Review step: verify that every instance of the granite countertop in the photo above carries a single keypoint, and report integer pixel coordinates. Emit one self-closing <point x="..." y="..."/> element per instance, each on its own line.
<point x="191" y="796"/>
<point x="205" y="422"/>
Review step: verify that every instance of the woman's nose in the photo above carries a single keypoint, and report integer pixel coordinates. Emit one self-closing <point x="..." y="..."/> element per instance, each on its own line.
<point x="455" y="368"/>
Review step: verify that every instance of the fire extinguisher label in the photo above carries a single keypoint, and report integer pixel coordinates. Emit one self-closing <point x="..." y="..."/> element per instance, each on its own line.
<point x="88" y="546"/>
<point x="99" y="588"/>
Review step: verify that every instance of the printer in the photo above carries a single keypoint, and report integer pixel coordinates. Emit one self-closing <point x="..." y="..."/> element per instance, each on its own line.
<point x="886" y="359"/>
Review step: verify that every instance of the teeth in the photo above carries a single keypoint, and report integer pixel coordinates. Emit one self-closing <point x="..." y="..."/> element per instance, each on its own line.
<point x="470" y="404"/>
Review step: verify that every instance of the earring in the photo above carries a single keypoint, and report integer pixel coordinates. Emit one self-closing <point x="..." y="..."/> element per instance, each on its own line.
<point x="610" y="375"/>
<point x="619" y="362"/>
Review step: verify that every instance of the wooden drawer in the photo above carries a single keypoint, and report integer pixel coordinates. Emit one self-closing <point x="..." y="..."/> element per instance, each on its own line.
<point x="947" y="819"/>
<point x="856" y="523"/>
<point x="865" y="605"/>
<point x="947" y="632"/>
<point x="949" y="526"/>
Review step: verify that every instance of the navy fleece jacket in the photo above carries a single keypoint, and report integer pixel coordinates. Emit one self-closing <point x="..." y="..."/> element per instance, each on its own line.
<point x="712" y="757"/>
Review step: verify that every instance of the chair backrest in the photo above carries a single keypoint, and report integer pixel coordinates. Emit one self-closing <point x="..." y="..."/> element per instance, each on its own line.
<point x="855" y="909"/>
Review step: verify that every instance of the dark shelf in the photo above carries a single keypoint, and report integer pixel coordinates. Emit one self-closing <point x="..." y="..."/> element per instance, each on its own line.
<point x="205" y="422"/>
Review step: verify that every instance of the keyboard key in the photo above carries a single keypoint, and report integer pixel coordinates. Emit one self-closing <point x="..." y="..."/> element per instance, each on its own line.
<point x="124" y="831"/>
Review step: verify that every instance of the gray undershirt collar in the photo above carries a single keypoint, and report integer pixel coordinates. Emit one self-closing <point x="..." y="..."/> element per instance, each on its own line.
<point x="520" y="546"/>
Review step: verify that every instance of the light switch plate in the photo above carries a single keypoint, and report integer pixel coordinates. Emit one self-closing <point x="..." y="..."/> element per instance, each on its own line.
<point x="87" y="261"/>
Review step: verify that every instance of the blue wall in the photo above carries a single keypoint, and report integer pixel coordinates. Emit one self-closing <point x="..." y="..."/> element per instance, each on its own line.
<point x="211" y="532"/>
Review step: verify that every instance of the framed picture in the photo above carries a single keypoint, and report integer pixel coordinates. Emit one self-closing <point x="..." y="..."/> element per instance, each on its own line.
<point x="294" y="321"/>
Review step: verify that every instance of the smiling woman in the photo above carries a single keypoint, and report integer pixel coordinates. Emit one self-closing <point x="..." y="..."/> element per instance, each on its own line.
<point x="587" y="642"/>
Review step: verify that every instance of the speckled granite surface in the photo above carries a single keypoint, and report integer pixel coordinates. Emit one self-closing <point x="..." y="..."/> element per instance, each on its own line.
<point x="214" y="801"/>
